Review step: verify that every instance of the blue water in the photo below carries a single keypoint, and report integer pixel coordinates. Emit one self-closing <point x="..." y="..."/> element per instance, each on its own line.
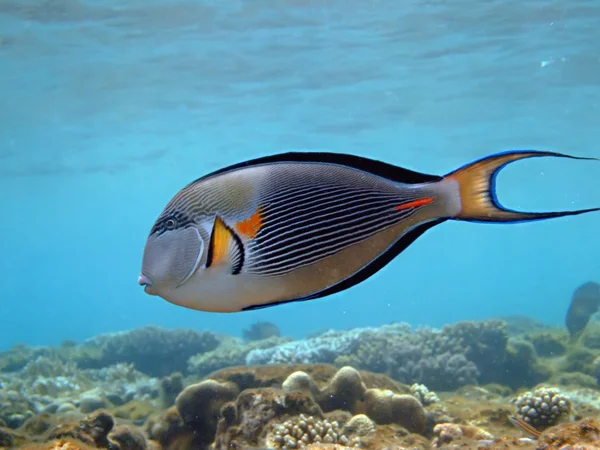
<point x="109" y="107"/>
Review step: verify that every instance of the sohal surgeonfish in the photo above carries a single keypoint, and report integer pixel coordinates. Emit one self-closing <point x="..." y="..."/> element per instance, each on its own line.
<point x="301" y="226"/>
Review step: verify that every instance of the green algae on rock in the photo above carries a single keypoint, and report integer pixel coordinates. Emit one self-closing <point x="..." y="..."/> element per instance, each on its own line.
<point x="548" y="343"/>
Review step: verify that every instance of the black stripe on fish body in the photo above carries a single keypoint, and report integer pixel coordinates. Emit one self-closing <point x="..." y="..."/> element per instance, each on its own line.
<point x="222" y="238"/>
<point x="292" y="216"/>
<point x="367" y="271"/>
<point x="299" y="236"/>
<point x="312" y="197"/>
<point x="373" y="166"/>
<point x="314" y="245"/>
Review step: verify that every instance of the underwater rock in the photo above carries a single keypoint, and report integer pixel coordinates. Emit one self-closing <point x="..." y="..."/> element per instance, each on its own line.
<point x="245" y="421"/>
<point x="549" y="343"/>
<point x="578" y="359"/>
<point x="259" y="331"/>
<point x="300" y="382"/>
<point x="65" y="407"/>
<point x="15" y="408"/>
<point x="446" y="433"/>
<point x="135" y="411"/>
<point x="517" y="325"/>
<point x="92" y="400"/>
<point x="170" y="387"/>
<point x="328" y="447"/>
<point x="39" y="424"/>
<point x="590" y="336"/>
<point x="127" y="438"/>
<point x="573" y="379"/>
<point x="200" y="404"/>
<point x="522" y="367"/>
<point x="385" y="407"/>
<point x="584" y="304"/>
<point x="168" y="429"/>
<point x="11" y="438"/>
<point x="343" y="391"/>
<point x="581" y="435"/>
<point x="92" y="430"/>
<point x="16" y="358"/>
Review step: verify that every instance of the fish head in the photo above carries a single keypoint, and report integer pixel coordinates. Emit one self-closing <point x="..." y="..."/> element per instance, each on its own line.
<point x="175" y="250"/>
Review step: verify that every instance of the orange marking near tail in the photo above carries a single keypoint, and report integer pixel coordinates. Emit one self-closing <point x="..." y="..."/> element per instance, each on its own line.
<point x="250" y="227"/>
<point x="415" y="204"/>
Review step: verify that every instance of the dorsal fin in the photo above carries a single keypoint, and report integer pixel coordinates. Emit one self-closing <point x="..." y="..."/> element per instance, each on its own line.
<point x="385" y="170"/>
<point x="225" y="248"/>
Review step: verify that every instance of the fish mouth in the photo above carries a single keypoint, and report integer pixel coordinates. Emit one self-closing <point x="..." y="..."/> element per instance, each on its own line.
<point x="144" y="281"/>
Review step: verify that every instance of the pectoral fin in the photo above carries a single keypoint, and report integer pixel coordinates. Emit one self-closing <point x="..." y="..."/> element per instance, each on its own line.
<point x="225" y="248"/>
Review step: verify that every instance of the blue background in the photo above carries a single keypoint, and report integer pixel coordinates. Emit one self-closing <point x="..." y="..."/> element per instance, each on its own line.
<point x="109" y="108"/>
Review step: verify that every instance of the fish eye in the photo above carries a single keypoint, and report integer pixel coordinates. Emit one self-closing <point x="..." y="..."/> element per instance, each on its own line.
<point x="170" y="223"/>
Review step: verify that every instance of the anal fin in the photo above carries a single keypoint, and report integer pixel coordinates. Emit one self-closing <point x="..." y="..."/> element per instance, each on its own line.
<point x="225" y="248"/>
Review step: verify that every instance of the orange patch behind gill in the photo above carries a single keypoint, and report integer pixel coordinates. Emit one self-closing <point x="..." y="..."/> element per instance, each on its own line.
<point x="250" y="227"/>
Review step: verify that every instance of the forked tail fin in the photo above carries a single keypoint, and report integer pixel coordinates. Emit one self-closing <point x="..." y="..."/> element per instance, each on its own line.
<point x="478" y="191"/>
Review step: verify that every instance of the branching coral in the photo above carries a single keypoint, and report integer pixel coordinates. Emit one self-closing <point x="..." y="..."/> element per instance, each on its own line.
<point x="543" y="407"/>
<point x="461" y="354"/>
<point x="423" y="394"/>
<point x="304" y="430"/>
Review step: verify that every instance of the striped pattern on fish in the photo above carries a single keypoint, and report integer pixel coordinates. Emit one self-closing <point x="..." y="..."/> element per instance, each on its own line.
<point x="301" y="226"/>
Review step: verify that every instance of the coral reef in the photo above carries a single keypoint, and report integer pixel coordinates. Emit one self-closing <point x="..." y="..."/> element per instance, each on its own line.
<point x="303" y="431"/>
<point x="423" y="394"/>
<point x="230" y="352"/>
<point x="584" y="304"/>
<point x="48" y="385"/>
<point x="467" y="385"/>
<point x="261" y="330"/>
<point x="548" y="343"/>
<point x="543" y="407"/>
<point x="457" y="355"/>
<point x="153" y="350"/>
